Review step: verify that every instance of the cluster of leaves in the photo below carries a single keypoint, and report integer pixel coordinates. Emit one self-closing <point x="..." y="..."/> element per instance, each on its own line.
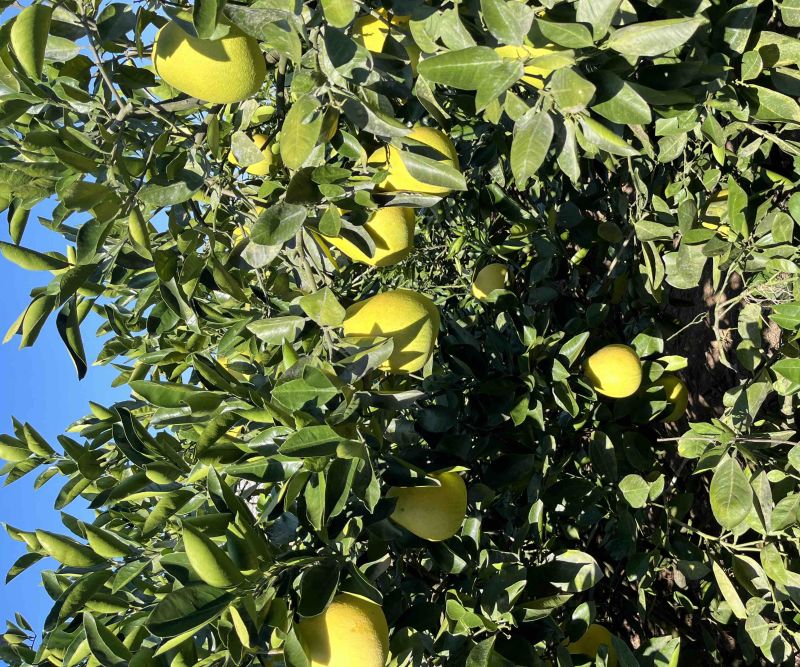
<point x="242" y="485"/>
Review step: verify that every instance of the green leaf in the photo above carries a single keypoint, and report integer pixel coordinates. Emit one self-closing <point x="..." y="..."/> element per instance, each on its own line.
<point x="79" y="593"/>
<point x="432" y="172"/>
<point x="567" y="154"/>
<point x="653" y="38"/>
<point x="572" y="571"/>
<point x="278" y="224"/>
<point x="788" y="368"/>
<point x="174" y="395"/>
<point x="786" y="316"/>
<point x="278" y="329"/>
<point x="339" y="13"/>
<point x="598" y="14"/>
<point x="66" y="550"/>
<point x="572" y="349"/>
<point x="730" y="494"/>
<point x="603" y="456"/>
<point x="468" y="69"/>
<point x="600" y="136"/>
<point x="103" y="644"/>
<point x="323" y="307"/>
<point x="685" y="267"/>
<point x="22" y="563"/>
<point x="533" y="134"/>
<point x="244" y="150"/>
<point x="187" y="608"/>
<point x="178" y="190"/>
<point x="508" y="20"/>
<point x="296" y="394"/>
<point x="299" y="132"/>
<point x="293" y="651"/>
<point x="618" y="101"/>
<point x="312" y="441"/>
<point x="635" y="490"/>
<point x="206" y="15"/>
<point x="482" y="654"/>
<point x="772" y="105"/>
<point x="317" y="587"/>
<point x="728" y="591"/>
<point x="106" y="543"/>
<point x="571" y="35"/>
<point x="29" y="33"/>
<point x="757" y="628"/>
<point x="571" y="92"/>
<point x="790" y="13"/>
<point x="738" y="24"/>
<point x="31" y="259"/>
<point x="68" y="326"/>
<point x="208" y="560"/>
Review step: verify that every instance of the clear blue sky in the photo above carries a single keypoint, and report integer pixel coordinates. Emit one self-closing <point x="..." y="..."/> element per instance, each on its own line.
<point x="39" y="385"/>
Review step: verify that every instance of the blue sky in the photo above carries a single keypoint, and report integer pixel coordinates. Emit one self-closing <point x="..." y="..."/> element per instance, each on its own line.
<point x="39" y="385"/>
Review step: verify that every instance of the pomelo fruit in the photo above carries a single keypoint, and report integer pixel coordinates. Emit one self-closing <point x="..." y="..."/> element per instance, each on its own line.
<point x="221" y="71"/>
<point x="433" y="513"/>
<point x="398" y="178"/>
<point x="351" y="631"/>
<point x="490" y="278"/>
<point x="614" y="371"/>
<point x="677" y="395"/>
<point x="391" y="229"/>
<point x="409" y="318"/>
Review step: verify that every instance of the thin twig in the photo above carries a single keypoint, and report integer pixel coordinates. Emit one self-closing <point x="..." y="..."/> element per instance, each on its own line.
<point x="99" y="62"/>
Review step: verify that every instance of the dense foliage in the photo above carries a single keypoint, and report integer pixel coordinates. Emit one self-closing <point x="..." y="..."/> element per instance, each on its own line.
<point x="633" y="165"/>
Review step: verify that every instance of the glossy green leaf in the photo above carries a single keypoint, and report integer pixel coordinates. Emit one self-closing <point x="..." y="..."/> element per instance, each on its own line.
<point x="730" y="494"/>
<point x="29" y="37"/>
<point x="652" y="38"/>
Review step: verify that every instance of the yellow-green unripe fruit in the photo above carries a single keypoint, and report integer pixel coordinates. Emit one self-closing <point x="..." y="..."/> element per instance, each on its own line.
<point x="433" y="513"/>
<point x="398" y="178"/>
<point x="221" y="71"/>
<point x="489" y="279"/>
<point x="392" y="230"/>
<point x="591" y="641"/>
<point x="677" y="395"/>
<point x="410" y="319"/>
<point x="258" y="168"/>
<point x="351" y="632"/>
<point x="614" y="371"/>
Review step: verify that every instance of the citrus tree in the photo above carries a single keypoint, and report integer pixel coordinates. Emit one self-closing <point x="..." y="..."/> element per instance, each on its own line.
<point x="457" y="333"/>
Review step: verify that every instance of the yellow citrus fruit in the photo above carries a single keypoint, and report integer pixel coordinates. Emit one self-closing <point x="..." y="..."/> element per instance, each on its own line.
<point x="591" y="641"/>
<point x="372" y="32"/>
<point x="351" y="631"/>
<point x="398" y="178"/>
<point x="535" y="75"/>
<point x="221" y="71"/>
<point x="677" y="395"/>
<point x="410" y="319"/>
<point x="489" y="278"/>
<point x="392" y="230"/>
<point x="431" y="512"/>
<point x="258" y="168"/>
<point x="614" y="371"/>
